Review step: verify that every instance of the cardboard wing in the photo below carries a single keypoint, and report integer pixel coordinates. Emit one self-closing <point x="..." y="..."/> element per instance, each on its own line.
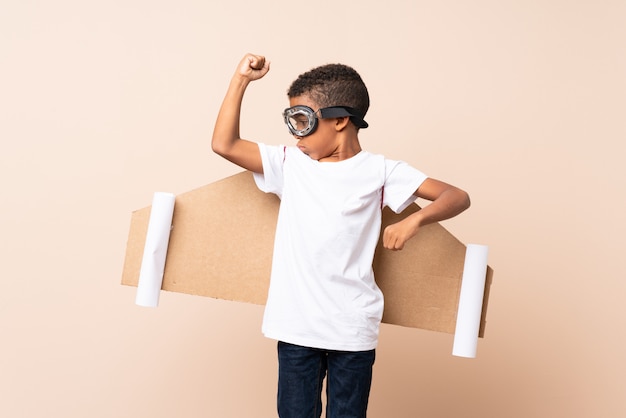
<point x="221" y="246"/>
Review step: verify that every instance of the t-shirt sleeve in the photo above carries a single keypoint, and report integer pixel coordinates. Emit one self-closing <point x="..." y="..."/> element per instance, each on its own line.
<point x="401" y="181"/>
<point x="271" y="180"/>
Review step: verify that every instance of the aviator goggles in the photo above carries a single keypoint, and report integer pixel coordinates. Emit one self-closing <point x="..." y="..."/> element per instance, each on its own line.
<point x="302" y="121"/>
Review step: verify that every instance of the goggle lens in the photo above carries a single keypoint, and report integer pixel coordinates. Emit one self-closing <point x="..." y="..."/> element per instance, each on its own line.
<point x="300" y="120"/>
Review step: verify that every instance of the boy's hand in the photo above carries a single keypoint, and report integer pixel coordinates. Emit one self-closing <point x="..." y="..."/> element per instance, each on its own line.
<point x="396" y="235"/>
<point x="253" y="67"/>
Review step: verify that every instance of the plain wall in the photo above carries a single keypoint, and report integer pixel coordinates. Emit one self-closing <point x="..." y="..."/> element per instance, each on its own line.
<point x="521" y="103"/>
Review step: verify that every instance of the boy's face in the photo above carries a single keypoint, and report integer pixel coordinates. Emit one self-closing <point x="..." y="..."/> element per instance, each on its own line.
<point x="323" y="142"/>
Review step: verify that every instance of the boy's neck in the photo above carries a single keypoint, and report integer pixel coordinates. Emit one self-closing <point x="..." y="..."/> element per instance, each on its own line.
<point x="346" y="150"/>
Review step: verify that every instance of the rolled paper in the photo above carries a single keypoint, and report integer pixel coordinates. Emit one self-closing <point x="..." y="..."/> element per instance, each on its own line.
<point x="155" y="250"/>
<point x="470" y="301"/>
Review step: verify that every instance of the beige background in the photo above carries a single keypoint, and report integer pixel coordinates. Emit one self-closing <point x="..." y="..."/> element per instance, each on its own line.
<point x="521" y="103"/>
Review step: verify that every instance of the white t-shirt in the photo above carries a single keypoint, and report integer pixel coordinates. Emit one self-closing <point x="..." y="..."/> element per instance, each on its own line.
<point x="322" y="290"/>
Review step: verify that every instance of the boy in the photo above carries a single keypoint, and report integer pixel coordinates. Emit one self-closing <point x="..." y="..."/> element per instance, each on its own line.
<point x="323" y="305"/>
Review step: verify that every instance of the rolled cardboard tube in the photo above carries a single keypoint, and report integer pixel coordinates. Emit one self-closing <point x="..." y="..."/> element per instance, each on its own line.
<point x="155" y="250"/>
<point x="470" y="301"/>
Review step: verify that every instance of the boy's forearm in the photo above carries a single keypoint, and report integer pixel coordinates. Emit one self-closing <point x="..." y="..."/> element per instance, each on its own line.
<point x="449" y="204"/>
<point x="226" y="130"/>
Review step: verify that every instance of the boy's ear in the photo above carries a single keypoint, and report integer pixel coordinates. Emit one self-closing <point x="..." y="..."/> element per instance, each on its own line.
<point x="341" y="123"/>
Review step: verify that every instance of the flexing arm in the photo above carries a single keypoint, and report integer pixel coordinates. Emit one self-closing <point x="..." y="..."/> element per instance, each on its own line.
<point x="226" y="140"/>
<point x="447" y="202"/>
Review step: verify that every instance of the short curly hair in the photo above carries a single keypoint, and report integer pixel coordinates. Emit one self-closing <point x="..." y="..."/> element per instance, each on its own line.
<point x="332" y="85"/>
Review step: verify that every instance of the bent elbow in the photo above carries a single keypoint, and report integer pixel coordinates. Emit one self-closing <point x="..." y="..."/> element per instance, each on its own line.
<point x="218" y="147"/>
<point x="467" y="202"/>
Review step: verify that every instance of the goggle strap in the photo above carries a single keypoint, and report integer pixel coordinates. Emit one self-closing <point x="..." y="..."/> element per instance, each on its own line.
<point x="341" y="111"/>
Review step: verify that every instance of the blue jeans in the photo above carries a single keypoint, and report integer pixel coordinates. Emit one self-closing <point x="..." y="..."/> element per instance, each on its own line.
<point x="301" y="371"/>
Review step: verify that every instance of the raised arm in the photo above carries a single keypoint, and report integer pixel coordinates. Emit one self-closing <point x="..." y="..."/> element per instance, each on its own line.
<point x="226" y="138"/>
<point x="447" y="201"/>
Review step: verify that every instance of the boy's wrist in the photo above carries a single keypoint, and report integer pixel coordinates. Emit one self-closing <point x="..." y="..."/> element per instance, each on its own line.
<point x="416" y="220"/>
<point x="240" y="80"/>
